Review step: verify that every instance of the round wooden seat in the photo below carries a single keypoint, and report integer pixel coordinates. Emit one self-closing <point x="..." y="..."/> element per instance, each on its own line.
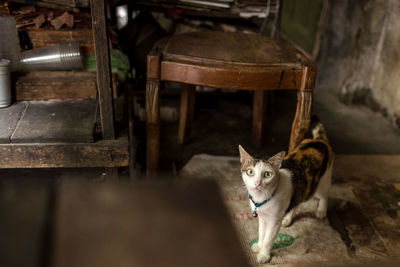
<point x="231" y="49"/>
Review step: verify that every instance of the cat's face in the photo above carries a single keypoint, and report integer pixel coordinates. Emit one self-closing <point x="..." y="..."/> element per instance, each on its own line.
<point x="258" y="174"/>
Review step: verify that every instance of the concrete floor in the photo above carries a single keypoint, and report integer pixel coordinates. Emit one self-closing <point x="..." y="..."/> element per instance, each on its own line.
<point x="365" y="200"/>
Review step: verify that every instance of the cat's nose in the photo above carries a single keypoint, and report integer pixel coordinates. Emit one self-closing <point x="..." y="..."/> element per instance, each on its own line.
<point x="257" y="184"/>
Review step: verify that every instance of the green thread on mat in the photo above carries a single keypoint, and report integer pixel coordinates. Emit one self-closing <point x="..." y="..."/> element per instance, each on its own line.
<point x="281" y="241"/>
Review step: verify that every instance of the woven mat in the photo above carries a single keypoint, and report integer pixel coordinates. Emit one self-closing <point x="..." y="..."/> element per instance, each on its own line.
<point x="307" y="240"/>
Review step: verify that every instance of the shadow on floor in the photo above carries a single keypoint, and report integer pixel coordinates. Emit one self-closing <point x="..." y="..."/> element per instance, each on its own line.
<point x="222" y="121"/>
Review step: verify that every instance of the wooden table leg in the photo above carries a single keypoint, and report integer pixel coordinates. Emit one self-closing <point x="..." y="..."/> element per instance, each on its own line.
<point x="259" y="111"/>
<point x="301" y="122"/>
<point x="152" y="112"/>
<point x="188" y="97"/>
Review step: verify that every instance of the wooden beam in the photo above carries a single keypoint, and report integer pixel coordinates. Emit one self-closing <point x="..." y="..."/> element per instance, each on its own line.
<point x="105" y="153"/>
<point x="43" y="37"/>
<point x="100" y="37"/>
<point x="45" y="85"/>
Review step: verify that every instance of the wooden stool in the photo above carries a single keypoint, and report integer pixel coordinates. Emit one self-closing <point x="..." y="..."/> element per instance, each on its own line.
<point x="227" y="61"/>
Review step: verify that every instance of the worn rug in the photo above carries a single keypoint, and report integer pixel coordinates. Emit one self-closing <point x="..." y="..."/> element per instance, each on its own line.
<point x="308" y="240"/>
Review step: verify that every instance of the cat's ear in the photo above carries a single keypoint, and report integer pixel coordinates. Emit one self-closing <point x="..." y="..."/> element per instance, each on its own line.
<point x="276" y="160"/>
<point x="244" y="156"/>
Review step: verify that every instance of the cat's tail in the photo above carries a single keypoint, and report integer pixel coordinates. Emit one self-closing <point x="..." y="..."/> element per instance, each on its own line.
<point x="317" y="129"/>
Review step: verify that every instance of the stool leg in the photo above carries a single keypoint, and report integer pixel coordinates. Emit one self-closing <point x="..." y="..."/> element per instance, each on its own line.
<point x="153" y="111"/>
<point x="259" y="111"/>
<point x="152" y="124"/>
<point x="186" y="112"/>
<point x="301" y="122"/>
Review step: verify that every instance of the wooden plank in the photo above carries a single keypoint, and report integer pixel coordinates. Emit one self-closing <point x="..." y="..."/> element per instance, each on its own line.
<point x="9" y="118"/>
<point x="23" y="210"/>
<point x="246" y="78"/>
<point x="57" y="121"/>
<point x="124" y="225"/>
<point x="105" y="153"/>
<point x="100" y="37"/>
<point x="47" y="37"/>
<point x="45" y="85"/>
<point x="70" y="5"/>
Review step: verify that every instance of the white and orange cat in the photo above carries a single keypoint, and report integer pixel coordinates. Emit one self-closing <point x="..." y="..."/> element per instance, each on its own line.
<point x="277" y="185"/>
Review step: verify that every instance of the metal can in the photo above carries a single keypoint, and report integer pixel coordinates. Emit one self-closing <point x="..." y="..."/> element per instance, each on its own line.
<point x="5" y="84"/>
<point x="63" y="56"/>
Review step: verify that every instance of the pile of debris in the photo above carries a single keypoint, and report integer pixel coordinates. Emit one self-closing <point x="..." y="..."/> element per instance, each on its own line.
<point x="30" y="15"/>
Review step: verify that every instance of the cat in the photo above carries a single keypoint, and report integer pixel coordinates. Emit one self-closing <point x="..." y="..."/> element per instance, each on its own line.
<point x="276" y="186"/>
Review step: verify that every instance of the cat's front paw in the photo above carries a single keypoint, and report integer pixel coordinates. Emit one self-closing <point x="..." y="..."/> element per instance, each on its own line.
<point x="255" y="248"/>
<point x="320" y="214"/>
<point x="287" y="221"/>
<point x="263" y="257"/>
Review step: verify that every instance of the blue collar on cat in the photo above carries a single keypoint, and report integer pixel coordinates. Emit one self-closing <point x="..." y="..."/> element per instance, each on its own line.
<point x="259" y="204"/>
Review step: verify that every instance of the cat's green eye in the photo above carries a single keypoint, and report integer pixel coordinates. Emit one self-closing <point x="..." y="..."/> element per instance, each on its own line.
<point x="268" y="174"/>
<point x="250" y="172"/>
